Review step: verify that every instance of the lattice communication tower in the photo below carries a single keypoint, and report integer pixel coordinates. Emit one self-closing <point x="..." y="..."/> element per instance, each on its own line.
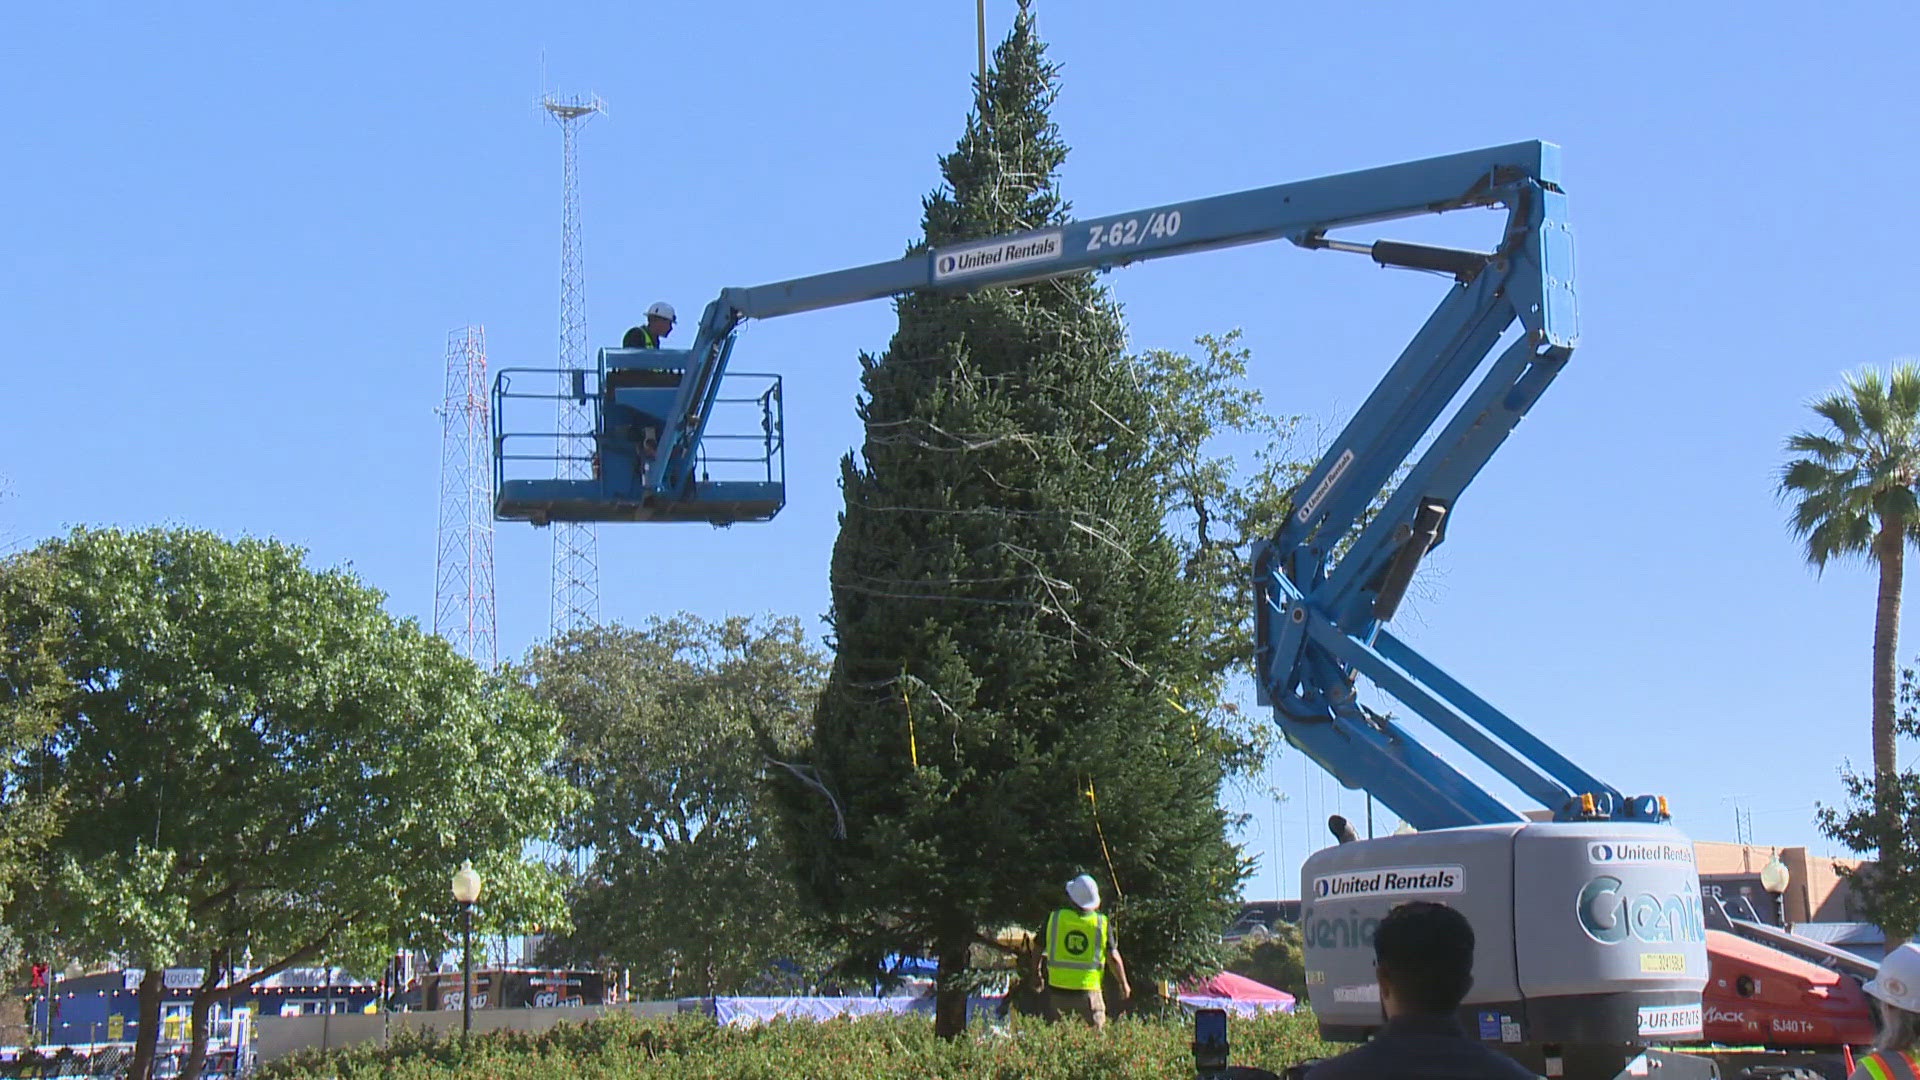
<point x="463" y="609"/>
<point x="576" y="557"/>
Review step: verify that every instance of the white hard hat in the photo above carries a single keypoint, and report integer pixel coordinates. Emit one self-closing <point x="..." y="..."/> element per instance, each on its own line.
<point x="663" y="310"/>
<point x="1898" y="981"/>
<point x="1084" y="892"/>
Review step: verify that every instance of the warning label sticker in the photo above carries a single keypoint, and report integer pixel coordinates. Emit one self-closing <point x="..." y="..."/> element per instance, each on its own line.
<point x="1663" y="963"/>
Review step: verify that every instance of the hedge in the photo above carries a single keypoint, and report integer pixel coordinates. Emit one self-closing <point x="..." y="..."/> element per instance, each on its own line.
<point x="872" y="1048"/>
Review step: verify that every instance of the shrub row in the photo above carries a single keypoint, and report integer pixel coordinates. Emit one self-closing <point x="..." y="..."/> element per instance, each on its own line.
<point x="874" y="1048"/>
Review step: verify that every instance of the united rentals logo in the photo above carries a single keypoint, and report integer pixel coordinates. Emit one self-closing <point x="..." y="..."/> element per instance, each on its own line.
<point x="1626" y="851"/>
<point x="1325" y="487"/>
<point x="1393" y="881"/>
<point x="997" y="255"/>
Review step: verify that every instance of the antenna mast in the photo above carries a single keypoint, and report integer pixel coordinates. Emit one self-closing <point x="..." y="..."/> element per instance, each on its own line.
<point x="576" y="559"/>
<point x="463" y="609"/>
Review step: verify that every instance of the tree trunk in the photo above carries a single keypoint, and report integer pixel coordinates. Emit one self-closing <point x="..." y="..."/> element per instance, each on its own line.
<point x="152" y="982"/>
<point x="208" y="994"/>
<point x="950" y="990"/>
<point x="1890" y="552"/>
<point x="202" y="1024"/>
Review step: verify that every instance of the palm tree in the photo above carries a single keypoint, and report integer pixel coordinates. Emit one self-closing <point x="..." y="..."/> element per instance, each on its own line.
<point x="1853" y="493"/>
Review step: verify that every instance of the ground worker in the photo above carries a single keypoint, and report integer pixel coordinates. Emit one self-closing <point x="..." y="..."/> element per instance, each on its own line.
<point x="1079" y="948"/>
<point x="1895" y="990"/>
<point x="660" y="320"/>
<point x="1423" y="963"/>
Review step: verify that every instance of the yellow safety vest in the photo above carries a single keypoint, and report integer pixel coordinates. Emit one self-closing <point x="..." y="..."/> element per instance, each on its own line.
<point x="1898" y="1065"/>
<point x="1076" y="949"/>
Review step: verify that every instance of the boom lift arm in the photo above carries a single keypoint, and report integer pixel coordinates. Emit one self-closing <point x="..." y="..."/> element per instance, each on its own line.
<point x="1302" y="212"/>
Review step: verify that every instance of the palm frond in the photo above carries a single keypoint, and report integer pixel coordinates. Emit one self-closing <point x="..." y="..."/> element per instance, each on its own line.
<point x="1802" y="474"/>
<point x="1903" y="389"/>
<point x="1895" y="504"/>
<point x="1824" y="447"/>
<point x="1840" y="410"/>
<point x="1838" y="537"/>
<point x="1820" y="506"/>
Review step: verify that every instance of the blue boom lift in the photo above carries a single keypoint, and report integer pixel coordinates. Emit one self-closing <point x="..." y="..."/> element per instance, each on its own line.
<point x="1321" y="619"/>
<point x="1591" y="924"/>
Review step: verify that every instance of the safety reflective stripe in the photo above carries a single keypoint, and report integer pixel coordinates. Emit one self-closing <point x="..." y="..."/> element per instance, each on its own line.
<point x="1895" y="1066"/>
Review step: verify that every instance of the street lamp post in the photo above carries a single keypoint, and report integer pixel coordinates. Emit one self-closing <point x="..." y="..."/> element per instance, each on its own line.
<point x="1775" y="877"/>
<point x="466" y="890"/>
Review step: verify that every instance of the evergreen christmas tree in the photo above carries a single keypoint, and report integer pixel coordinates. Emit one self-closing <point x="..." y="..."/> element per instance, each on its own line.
<point x="1016" y="642"/>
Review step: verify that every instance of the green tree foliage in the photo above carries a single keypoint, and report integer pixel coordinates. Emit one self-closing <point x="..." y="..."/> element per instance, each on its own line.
<point x="1852" y="491"/>
<point x="1213" y="504"/>
<point x="1884" y="819"/>
<point x="267" y="762"/>
<point x="1027" y="652"/>
<point x="1277" y="959"/>
<point x="689" y="886"/>
<point x="31" y="696"/>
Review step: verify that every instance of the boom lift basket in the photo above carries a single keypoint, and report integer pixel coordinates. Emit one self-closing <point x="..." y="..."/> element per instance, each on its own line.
<point x="542" y="475"/>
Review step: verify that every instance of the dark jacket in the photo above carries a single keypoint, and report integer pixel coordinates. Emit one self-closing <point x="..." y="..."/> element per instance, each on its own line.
<point x="1421" y="1048"/>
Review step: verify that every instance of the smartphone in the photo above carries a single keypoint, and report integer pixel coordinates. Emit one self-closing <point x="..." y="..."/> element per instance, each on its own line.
<point x="1210" y="1040"/>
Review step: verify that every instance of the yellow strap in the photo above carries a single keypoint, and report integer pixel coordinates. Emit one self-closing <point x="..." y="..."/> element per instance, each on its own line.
<point x="1093" y="803"/>
<point x="913" y="743"/>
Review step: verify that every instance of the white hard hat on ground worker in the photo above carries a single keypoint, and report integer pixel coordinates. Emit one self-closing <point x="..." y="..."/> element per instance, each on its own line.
<point x="1084" y="892"/>
<point x="1898" y="981"/>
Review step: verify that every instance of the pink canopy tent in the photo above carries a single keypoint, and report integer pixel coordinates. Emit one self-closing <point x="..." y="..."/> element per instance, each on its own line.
<point x="1236" y="994"/>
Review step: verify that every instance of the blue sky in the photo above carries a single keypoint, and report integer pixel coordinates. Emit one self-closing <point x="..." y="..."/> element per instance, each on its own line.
<point x="238" y="234"/>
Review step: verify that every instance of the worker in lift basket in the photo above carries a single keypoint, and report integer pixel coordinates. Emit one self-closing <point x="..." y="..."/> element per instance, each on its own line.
<point x="660" y="320"/>
<point x="1079" y="949"/>
<point x="1423" y="961"/>
<point x="1895" y="991"/>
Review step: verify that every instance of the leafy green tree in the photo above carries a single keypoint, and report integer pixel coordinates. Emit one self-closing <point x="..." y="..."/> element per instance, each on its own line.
<point x="689" y="886"/>
<point x="1027" y="655"/>
<point x="1215" y="504"/>
<point x="31" y="694"/>
<point x="1882" y="816"/>
<point x="1277" y="959"/>
<point x="268" y="762"/>
<point x="1853" y="494"/>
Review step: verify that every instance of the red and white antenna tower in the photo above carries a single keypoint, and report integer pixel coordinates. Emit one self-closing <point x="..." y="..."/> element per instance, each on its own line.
<point x="463" y="610"/>
<point x="576" y="557"/>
